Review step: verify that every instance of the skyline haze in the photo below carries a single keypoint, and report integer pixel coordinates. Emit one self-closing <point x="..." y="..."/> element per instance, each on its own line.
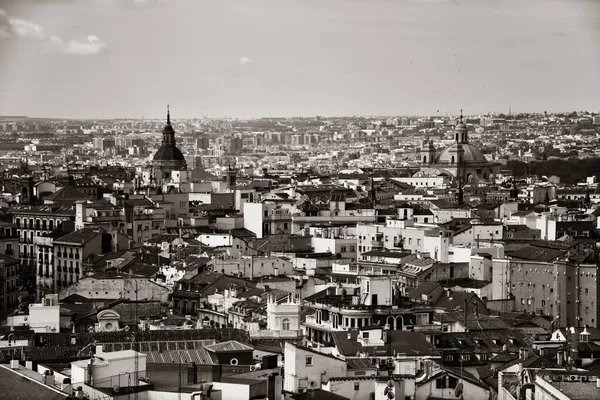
<point x="111" y="59"/>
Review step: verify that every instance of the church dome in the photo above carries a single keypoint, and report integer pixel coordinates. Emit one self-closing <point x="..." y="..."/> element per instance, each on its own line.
<point x="168" y="152"/>
<point x="461" y="127"/>
<point x="469" y="153"/>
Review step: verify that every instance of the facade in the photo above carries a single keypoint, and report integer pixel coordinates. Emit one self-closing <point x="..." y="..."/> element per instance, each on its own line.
<point x="566" y="290"/>
<point x="97" y="287"/>
<point x="265" y="219"/>
<point x="37" y="221"/>
<point x="70" y="251"/>
<point x="307" y="369"/>
<point x="9" y="285"/>
<point x="9" y="239"/>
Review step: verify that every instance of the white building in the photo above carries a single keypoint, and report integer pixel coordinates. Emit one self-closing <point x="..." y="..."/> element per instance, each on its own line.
<point x="43" y="317"/>
<point x="108" y="370"/>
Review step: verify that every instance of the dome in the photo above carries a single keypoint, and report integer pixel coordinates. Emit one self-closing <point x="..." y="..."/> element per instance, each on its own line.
<point x="168" y="152"/>
<point x="470" y="154"/>
<point x="461" y="127"/>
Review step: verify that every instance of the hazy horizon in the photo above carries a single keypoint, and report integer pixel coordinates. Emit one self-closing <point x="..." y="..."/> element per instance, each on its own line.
<point x="127" y="59"/>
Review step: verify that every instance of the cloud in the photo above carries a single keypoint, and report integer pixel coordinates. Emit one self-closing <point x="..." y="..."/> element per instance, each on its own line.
<point x="88" y="46"/>
<point x="12" y="27"/>
<point x="245" y="60"/>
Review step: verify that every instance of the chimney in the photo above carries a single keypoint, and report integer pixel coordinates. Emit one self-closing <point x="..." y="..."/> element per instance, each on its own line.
<point x="349" y="336"/>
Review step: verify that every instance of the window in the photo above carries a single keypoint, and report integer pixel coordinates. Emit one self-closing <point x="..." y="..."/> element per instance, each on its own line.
<point x="422" y="319"/>
<point x="447" y="382"/>
<point x="285" y="324"/>
<point x="356" y="385"/>
<point x="309" y="361"/>
<point x="365" y="335"/>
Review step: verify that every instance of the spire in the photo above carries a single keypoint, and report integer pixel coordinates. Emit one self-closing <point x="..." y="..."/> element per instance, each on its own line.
<point x="168" y="115"/>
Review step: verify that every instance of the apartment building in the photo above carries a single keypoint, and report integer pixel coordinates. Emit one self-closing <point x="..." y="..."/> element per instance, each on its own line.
<point x="32" y="221"/>
<point x="70" y="251"/>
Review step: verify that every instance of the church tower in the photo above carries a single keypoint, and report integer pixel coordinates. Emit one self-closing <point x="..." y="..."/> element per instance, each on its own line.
<point x="461" y="131"/>
<point x="427" y="152"/>
<point x="168" y="157"/>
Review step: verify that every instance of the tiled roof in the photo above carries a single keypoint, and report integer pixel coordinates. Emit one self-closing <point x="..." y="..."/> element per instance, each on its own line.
<point x="14" y="386"/>
<point x="228" y="346"/>
<point x="409" y="343"/>
<point x="80" y="236"/>
<point x="67" y="193"/>
<point x="491" y="340"/>
<point x="199" y="356"/>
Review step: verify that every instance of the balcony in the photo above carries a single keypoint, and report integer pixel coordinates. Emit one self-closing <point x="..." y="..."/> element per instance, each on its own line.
<point x="147" y="216"/>
<point x="311" y="322"/>
<point x="377" y="244"/>
<point x="108" y="218"/>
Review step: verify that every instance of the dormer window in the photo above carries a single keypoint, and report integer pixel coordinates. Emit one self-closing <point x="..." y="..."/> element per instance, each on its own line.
<point x="365" y="335"/>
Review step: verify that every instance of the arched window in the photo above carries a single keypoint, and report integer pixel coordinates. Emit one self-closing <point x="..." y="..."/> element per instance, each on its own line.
<point x="424" y="159"/>
<point x="285" y="324"/>
<point x="452" y="160"/>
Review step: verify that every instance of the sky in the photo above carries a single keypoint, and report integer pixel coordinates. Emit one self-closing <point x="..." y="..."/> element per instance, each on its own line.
<point x="259" y="58"/>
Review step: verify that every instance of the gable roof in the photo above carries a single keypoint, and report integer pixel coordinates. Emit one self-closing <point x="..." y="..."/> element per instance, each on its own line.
<point x="229" y="346"/>
<point x="68" y="193"/>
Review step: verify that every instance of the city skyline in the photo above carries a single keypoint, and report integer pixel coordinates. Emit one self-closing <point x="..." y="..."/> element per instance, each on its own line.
<point x="109" y="59"/>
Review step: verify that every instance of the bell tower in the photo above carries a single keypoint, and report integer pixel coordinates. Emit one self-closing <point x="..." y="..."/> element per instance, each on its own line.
<point x="427" y="152"/>
<point x="461" y="131"/>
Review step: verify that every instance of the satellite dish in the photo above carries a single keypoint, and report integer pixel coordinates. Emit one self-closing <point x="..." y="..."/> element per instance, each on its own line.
<point x="116" y="388"/>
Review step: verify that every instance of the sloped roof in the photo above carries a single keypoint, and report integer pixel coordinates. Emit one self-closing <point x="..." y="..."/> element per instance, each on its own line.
<point x="15" y="386"/>
<point x="318" y="394"/>
<point x="199" y="356"/>
<point x="80" y="236"/>
<point x="68" y="193"/>
<point x="407" y="342"/>
<point x="229" y="346"/>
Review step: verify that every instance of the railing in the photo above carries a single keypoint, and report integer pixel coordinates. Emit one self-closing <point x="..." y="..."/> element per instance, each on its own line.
<point x="138" y="217"/>
<point x="108" y="218"/>
<point x="267" y="334"/>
